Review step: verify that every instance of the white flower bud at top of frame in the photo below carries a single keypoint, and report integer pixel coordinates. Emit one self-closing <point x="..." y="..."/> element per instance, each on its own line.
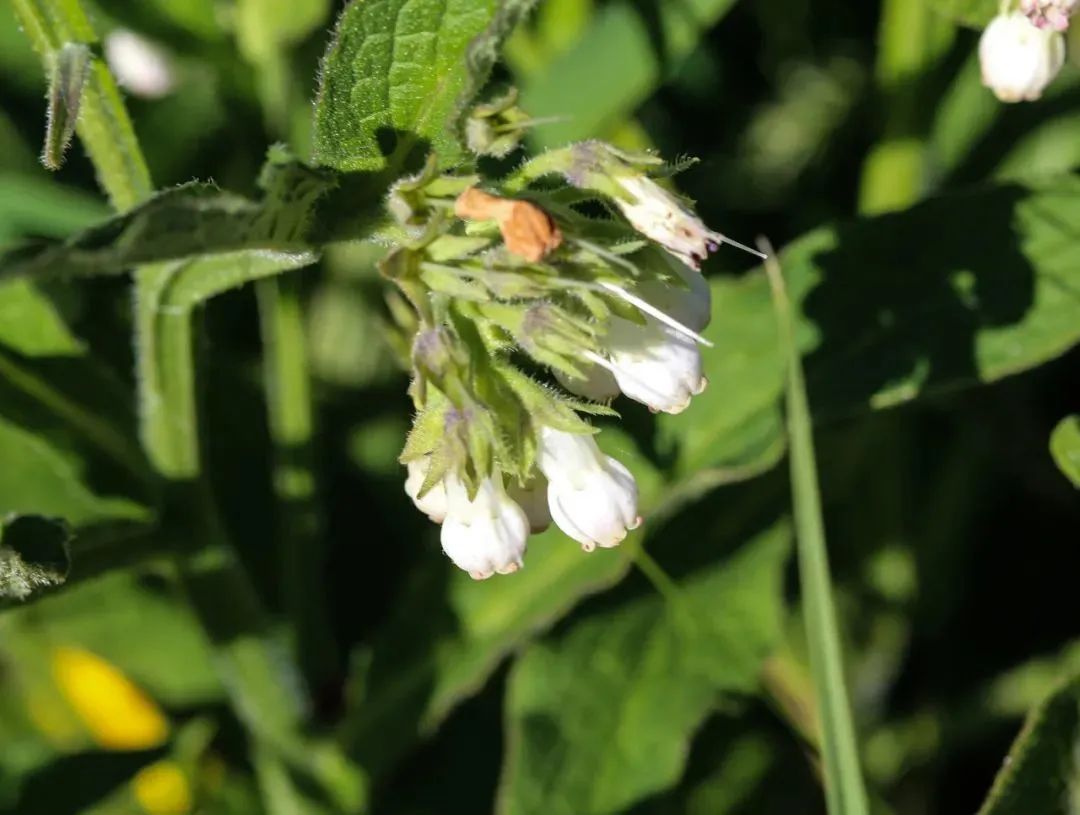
<point x="1018" y="59"/>
<point x="661" y="217"/>
<point x="1050" y="14"/>
<point x="654" y="364"/>
<point x="433" y="502"/>
<point x="592" y="497"/>
<point x="139" y="65"/>
<point x="486" y="535"/>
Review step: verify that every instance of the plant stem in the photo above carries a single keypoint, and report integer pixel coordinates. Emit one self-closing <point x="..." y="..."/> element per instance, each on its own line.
<point x="288" y="395"/>
<point x="844" y="789"/>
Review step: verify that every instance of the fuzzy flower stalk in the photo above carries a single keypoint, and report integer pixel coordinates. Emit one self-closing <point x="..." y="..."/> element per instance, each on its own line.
<point x="529" y="317"/>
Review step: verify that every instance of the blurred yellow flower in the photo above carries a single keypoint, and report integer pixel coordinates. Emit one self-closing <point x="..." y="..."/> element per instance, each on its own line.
<point x="162" y="789"/>
<point x="118" y="715"/>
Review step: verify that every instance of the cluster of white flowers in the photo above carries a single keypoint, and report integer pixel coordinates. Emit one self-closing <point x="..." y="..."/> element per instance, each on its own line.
<point x="1021" y="52"/>
<point x="653" y="359"/>
<point x="591" y="497"/>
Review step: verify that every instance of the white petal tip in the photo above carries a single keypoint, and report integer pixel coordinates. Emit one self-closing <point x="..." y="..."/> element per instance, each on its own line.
<point x="588" y="547"/>
<point x="478" y="575"/>
<point x="638" y="521"/>
<point x="510" y="568"/>
<point x="701" y="386"/>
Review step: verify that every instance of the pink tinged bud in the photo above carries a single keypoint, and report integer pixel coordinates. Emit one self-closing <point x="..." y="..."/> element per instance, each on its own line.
<point x="661" y="217"/>
<point x="486" y="535"/>
<point x="433" y="502"/>
<point x="1018" y="59"/>
<point x="592" y="497"/>
<point x="1052" y="15"/>
<point x="654" y="364"/>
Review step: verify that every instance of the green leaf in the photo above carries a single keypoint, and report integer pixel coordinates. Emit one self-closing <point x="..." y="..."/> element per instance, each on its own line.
<point x="602" y="716"/>
<point x="1042" y="771"/>
<point x="616" y="64"/>
<point x="62" y="416"/>
<point x="958" y="291"/>
<point x="1065" y="448"/>
<point x="36" y="206"/>
<point x="33" y="554"/>
<point x="392" y="78"/>
<point x="973" y="13"/>
<point x="178" y="224"/>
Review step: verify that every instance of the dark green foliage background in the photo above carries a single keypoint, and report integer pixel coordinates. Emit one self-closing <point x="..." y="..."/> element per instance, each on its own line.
<point x="931" y="242"/>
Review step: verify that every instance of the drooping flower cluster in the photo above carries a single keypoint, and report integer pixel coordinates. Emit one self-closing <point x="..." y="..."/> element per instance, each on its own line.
<point x="1021" y="52"/>
<point x="522" y="284"/>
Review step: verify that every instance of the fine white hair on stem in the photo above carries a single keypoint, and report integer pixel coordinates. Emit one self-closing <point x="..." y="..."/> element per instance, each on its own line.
<point x="737" y="245"/>
<point x="653" y="311"/>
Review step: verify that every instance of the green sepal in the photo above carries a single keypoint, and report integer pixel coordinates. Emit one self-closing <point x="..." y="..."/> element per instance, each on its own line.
<point x="70" y="70"/>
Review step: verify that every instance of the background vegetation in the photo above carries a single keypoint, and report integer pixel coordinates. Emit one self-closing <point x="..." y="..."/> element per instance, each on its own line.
<point x="328" y="657"/>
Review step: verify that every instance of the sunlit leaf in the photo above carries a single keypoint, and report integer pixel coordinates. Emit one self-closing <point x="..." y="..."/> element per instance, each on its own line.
<point x="621" y="58"/>
<point x="1065" y="447"/>
<point x="393" y="79"/>
<point x="1042" y="771"/>
<point x="601" y="716"/>
<point x="961" y="290"/>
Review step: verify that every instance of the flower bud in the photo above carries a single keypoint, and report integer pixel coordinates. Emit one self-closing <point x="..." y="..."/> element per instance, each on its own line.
<point x="661" y="217"/>
<point x="654" y="364"/>
<point x="497" y="127"/>
<point x="1049" y="14"/>
<point x="592" y="497"/>
<point x="140" y="66"/>
<point x="1018" y="59"/>
<point x="433" y="502"/>
<point x="485" y="535"/>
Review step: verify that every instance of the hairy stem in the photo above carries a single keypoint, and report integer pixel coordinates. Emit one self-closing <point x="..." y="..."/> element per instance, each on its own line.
<point x="288" y="395"/>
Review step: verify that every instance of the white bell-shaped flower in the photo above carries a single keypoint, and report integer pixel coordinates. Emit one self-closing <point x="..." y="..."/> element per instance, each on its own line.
<point x="1018" y="59"/>
<point x="140" y="66"/>
<point x="654" y="364"/>
<point x="433" y="502"/>
<point x="598" y="384"/>
<point x="661" y="217"/>
<point x="532" y="498"/>
<point x="486" y="535"/>
<point x="592" y="497"/>
<point x="690" y="305"/>
<point x="1049" y="14"/>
